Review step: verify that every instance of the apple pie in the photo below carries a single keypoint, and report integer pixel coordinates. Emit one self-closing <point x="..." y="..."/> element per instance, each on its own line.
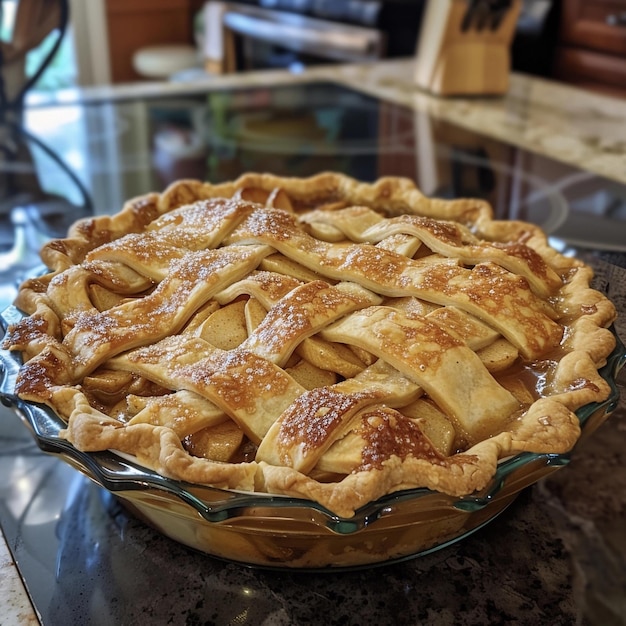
<point x="320" y="338"/>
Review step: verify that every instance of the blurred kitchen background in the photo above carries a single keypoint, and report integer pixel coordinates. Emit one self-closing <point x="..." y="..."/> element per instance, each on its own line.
<point x="119" y="41"/>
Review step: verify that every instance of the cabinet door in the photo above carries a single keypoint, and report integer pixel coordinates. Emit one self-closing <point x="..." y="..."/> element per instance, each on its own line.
<point x="135" y="24"/>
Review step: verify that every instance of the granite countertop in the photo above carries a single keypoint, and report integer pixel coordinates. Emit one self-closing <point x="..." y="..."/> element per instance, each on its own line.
<point x="16" y="606"/>
<point x="569" y="563"/>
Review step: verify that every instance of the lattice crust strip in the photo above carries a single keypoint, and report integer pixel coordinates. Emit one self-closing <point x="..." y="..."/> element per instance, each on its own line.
<point x="318" y="337"/>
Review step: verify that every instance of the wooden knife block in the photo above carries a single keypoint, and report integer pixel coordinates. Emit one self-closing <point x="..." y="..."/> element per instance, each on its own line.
<point x="451" y="61"/>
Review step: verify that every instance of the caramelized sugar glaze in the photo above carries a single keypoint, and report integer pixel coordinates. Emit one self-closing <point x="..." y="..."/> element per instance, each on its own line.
<point x="316" y="337"/>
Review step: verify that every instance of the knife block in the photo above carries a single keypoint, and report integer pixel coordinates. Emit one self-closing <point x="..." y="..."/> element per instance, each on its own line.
<point x="452" y="60"/>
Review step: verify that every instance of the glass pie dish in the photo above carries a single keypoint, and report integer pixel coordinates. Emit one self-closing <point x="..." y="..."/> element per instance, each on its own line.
<point x="283" y="532"/>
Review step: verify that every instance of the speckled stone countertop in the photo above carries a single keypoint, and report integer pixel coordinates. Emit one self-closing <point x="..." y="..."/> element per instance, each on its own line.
<point x="557" y="555"/>
<point x="16" y="606"/>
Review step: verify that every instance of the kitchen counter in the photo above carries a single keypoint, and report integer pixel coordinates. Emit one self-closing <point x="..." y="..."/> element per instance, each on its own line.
<point x="557" y="555"/>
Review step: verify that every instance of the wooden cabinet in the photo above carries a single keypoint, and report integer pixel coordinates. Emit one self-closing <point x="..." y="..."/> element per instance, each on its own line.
<point x="135" y="24"/>
<point x="592" y="45"/>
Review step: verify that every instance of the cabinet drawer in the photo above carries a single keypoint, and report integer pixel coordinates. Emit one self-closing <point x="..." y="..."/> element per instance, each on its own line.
<point x="586" y="68"/>
<point x="594" y="24"/>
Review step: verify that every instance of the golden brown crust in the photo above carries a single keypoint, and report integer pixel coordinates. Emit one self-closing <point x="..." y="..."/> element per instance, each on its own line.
<point x="225" y="306"/>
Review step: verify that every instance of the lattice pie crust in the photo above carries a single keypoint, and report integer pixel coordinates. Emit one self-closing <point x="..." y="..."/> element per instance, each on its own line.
<point x="318" y="337"/>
